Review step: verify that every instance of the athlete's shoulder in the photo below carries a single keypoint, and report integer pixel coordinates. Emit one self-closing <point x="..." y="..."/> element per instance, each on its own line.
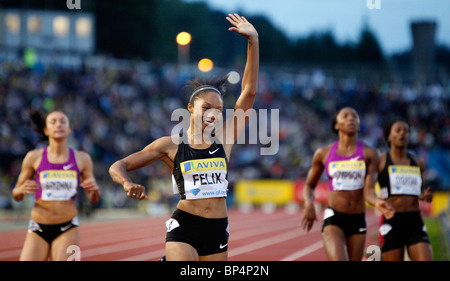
<point x="370" y="149"/>
<point x="163" y="146"/>
<point x="33" y="158"/>
<point x="383" y="159"/>
<point x="34" y="154"/>
<point x="323" y="151"/>
<point x="417" y="159"/>
<point x="326" y="148"/>
<point x="166" y="142"/>
<point x="383" y="156"/>
<point x="82" y="155"/>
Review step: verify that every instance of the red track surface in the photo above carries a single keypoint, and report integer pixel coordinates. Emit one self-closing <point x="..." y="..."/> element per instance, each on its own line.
<point x="254" y="236"/>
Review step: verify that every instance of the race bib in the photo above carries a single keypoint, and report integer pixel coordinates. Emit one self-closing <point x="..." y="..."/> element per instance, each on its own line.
<point x="58" y="185"/>
<point x="347" y="175"/>
<point x="205" y="178"/>
<point x="405" y="180"/>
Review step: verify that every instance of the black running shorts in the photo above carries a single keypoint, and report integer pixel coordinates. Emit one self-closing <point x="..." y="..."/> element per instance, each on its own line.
<point x="403" y="229"/>
<point x="349" y="223"/>
<point x="207" y="236"/>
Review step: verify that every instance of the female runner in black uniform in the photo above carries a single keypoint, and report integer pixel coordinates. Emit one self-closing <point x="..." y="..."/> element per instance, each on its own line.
<point x="198" y="229"/>
<point x="401" y="183"/>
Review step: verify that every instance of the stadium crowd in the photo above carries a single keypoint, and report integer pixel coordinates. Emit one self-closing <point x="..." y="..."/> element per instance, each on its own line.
<point x="118" y="107"/>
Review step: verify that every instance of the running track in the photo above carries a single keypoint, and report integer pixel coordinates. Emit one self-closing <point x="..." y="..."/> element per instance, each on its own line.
<point x="254" y="236"/>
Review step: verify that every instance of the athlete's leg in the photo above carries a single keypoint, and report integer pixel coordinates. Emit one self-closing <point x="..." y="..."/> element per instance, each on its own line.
<point x="61" y="244"/>
<point x="180" y="251"/>
<point x="420" y="252"/>
<point x="393" y="255"/>
<point x="215" y="257"/>
<point x="35" y="248"/>
<point x="355" y="246"/>
<point x="334" y="242"/>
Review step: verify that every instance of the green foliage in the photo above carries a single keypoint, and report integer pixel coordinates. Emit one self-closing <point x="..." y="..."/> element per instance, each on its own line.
<point x="437" y="235"/>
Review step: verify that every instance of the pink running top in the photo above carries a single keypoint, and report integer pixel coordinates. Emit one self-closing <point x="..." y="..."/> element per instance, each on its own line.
<point x="58" y="182"/>
<point x="346" y="172"/>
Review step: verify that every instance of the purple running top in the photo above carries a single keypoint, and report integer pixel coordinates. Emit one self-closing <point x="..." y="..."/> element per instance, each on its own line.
<point x="58" y="182"/>
<point x="346" y="172"/>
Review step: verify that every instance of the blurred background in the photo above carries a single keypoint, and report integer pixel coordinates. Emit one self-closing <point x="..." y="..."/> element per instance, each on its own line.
<point x="118" y="69"/>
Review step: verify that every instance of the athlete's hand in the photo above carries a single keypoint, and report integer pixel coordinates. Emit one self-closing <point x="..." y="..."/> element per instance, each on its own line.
<point x="134" y="190"/>
<point x="385" y="208"/>
<point x="309" y="216"/>
<point x="242" y="26"/>
<point x="427" y="195"/>
<point x="29" y="187"/>
<point x="92" y="190"/>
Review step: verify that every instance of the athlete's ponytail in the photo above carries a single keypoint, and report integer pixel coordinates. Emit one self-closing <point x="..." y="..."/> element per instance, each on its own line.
<point x="334" y="122"/>
<point x="39" y="124"/>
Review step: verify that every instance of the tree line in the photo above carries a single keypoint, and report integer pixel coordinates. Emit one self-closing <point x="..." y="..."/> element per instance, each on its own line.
<point x="146" y="29"/>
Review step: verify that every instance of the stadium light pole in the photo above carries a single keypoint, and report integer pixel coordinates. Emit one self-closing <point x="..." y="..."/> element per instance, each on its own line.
<point x="183" y="40"/>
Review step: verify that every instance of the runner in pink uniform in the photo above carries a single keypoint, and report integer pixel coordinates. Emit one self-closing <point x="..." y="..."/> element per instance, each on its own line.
<point x="351" y="167"/>
<point x="53" y="175"/>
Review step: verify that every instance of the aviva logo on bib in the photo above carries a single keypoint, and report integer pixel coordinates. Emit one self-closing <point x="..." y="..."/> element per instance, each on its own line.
<point x="201" y="165"/>
<point x="347" y="165"/>
<point x="58" y="175"/>
<point x="195" y="191"/>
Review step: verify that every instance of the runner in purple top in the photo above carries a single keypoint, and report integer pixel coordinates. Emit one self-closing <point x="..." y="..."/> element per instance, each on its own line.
<point x="57" y="181"/>
<point x="53" y="175"/>
<point x="351" y="167"/>
<point x="346" y="172"/>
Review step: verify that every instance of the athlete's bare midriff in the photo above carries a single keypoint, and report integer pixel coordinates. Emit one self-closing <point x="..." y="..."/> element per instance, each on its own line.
<point x="211" y="208"/>
<point x="53" y="212"/>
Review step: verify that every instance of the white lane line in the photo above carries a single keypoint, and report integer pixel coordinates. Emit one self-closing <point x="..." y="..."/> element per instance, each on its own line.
<point x="319" y="244"/>
<point x="235" y="235"/>
<point x="118" y="247"/>
<point x="266" y="242"/>
<point x="304" y="251"/>
<point x="146" y="256"/>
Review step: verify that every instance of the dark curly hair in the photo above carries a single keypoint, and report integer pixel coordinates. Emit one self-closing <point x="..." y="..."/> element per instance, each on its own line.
<point x="388" y="128"/>
<point x="200" y="85"/>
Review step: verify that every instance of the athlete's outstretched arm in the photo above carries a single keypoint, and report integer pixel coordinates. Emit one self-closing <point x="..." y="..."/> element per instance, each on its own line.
<point x="119" y="170"/>
<point x="373" y="162"/>
<point x="313" y="177"/>
<point x="250" y="78"/>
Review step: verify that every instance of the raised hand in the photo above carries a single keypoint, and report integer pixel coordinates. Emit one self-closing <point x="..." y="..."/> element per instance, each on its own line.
<point x="242" y="26"/>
